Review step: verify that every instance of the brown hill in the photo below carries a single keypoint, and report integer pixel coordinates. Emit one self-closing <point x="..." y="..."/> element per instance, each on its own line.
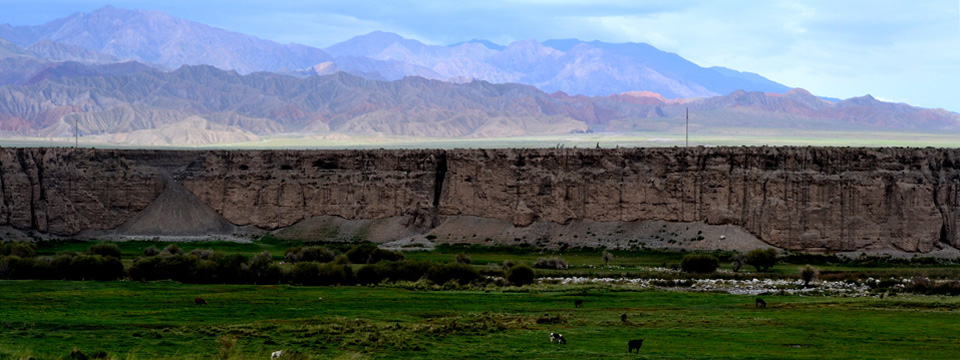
<point x="134" y="104"/>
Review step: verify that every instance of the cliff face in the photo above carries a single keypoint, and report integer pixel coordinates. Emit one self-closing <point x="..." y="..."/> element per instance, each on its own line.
<point x="836" y="199"/>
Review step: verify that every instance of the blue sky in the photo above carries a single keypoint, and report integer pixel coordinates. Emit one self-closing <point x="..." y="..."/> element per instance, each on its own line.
<point x="904" y="51"/>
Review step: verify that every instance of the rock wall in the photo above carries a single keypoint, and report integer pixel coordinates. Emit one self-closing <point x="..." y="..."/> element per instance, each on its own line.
<point x="832" y="199"/>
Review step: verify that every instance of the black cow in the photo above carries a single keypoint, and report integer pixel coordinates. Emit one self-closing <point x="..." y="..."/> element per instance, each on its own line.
<point x="558" y="338"/>
<point x="578" y="304"/>
<point x="761" y="303"/>
<point x="634" y="344"/>
<point x="200" y="301"/>
<point x="623" y="318"/>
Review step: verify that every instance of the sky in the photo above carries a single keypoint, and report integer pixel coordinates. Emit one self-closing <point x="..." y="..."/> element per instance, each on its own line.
<point x="901" y="51"/>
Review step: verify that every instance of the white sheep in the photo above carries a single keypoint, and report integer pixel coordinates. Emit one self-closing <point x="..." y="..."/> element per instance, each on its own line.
<point x="276" y="354"/>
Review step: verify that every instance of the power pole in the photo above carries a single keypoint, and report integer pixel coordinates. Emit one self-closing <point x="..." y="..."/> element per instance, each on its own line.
<point x="688" y="128"/>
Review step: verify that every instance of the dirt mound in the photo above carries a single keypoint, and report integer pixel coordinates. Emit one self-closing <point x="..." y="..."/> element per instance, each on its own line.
<point x="176" y="212"/>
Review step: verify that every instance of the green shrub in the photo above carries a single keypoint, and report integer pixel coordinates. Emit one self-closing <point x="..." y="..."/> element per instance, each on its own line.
<point x="15" y="267"/>
<point x="95" y="267"/>
<point x="172" y="249"/>
<point x="309" y="253"/>
<point x="378" y="255"/>
<point x="762" y="259"/>
<point x="408" y="270"/>
<point x="553" y="262"/>
<point x="520" y="275"/>
<point x="699" y="263"/>
<point x="463" y="258"/>
<point x="262" y="270"/>
<point x="360" y="254"/>
<point x="151" y="251"/>
<point x="313" y="273"/>
<point x="18" y="248"/>
<point x="442" y="274"/>
<point x="105" y="249"/>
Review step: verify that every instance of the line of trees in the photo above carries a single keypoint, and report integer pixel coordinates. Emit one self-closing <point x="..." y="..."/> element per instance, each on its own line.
<point x="310" y="265"/>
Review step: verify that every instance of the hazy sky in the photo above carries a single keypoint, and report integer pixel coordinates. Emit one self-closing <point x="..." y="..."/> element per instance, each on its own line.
<point x="906" y="51"/>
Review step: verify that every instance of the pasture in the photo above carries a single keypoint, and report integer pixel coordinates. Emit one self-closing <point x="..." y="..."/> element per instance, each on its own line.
<point x="133" y="320"/>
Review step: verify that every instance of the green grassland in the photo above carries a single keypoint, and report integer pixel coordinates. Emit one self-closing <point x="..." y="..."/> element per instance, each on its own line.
<point x="132" y="320"/>
<point x="159" y="320"/>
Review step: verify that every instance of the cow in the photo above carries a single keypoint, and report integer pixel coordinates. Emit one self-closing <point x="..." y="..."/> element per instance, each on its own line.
<point x="761" y="303"/>
<point x="578" y="304"/>
<point x="200" y="301"/>
<point x="623" y="318"/>
<point x="634" y="344"/>
<point x="276" y="354"/>
<point x="558" y="338"/>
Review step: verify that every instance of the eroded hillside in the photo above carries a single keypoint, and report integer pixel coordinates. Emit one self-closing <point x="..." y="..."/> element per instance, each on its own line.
<point x="834" y="199"/>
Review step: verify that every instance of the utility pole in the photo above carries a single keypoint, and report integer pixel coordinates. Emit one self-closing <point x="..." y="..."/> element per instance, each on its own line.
<point x="76" y="132"/>
<point x="688" y="128"/>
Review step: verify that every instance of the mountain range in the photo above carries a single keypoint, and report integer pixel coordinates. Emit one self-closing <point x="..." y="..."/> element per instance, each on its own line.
<point x="108" y="74"/>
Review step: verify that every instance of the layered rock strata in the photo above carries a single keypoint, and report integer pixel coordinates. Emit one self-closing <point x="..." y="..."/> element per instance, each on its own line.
<point x="829" y="199"/>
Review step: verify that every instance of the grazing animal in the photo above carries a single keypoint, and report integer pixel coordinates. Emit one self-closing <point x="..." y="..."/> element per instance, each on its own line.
<point x="276" y="354"/>
<point x="578" y="304"/>
<point x="200" y="301"/>
<point x="623" y="318"/>
<point x="558" y="338"/>
<point x="634" y="344"/>
<point x="761" y="303"/>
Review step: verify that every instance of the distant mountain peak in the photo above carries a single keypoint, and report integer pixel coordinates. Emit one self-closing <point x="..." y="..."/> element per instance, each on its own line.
<point x="486" y="43"/>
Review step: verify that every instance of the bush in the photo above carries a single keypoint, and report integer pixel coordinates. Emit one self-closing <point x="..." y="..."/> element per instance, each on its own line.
<point x="262" y="270"/>
<point x="463" y="258"/>
<point x="553" y="262"/>
<point x="808" y="273"/>
<point x="360" y="254"/>
<point x="520" y="275"/>
<point x="442" y="274"/>
<point x="172" y="249"/>
<point x="507" y="264"/>
<point x="18" y="248"/>
<point x="15" y="267"/>
<point x="701" y="264"/>
<point x="181" y="268"/>
<point x="203" y="254"/>
<point x="95" y="267"/>
<point x="151" y="251"/>
<point x="105" y="249"/>
<point x="313" y="273"/>
<point x="737" y="261"/>
<point x="408" y="270"/>
<point x="762" y="259"/>
<point x="309" y="253"/>
<point x="378" y="255"/>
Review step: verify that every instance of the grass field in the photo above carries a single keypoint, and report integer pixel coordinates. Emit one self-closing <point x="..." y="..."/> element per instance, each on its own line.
<point x="131" y="320"/>
<point x="151" y="320"/>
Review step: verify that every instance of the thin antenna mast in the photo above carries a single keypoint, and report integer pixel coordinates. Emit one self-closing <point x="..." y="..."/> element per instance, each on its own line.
<point x="688" y="127"/>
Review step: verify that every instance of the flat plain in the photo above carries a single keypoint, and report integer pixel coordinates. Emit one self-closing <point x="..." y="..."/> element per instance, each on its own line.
<point x="46" y="319"/>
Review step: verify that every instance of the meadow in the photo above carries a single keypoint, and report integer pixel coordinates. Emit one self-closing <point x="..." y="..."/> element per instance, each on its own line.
<point x="132" y="320"/>
<point x="49" y="319"/>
